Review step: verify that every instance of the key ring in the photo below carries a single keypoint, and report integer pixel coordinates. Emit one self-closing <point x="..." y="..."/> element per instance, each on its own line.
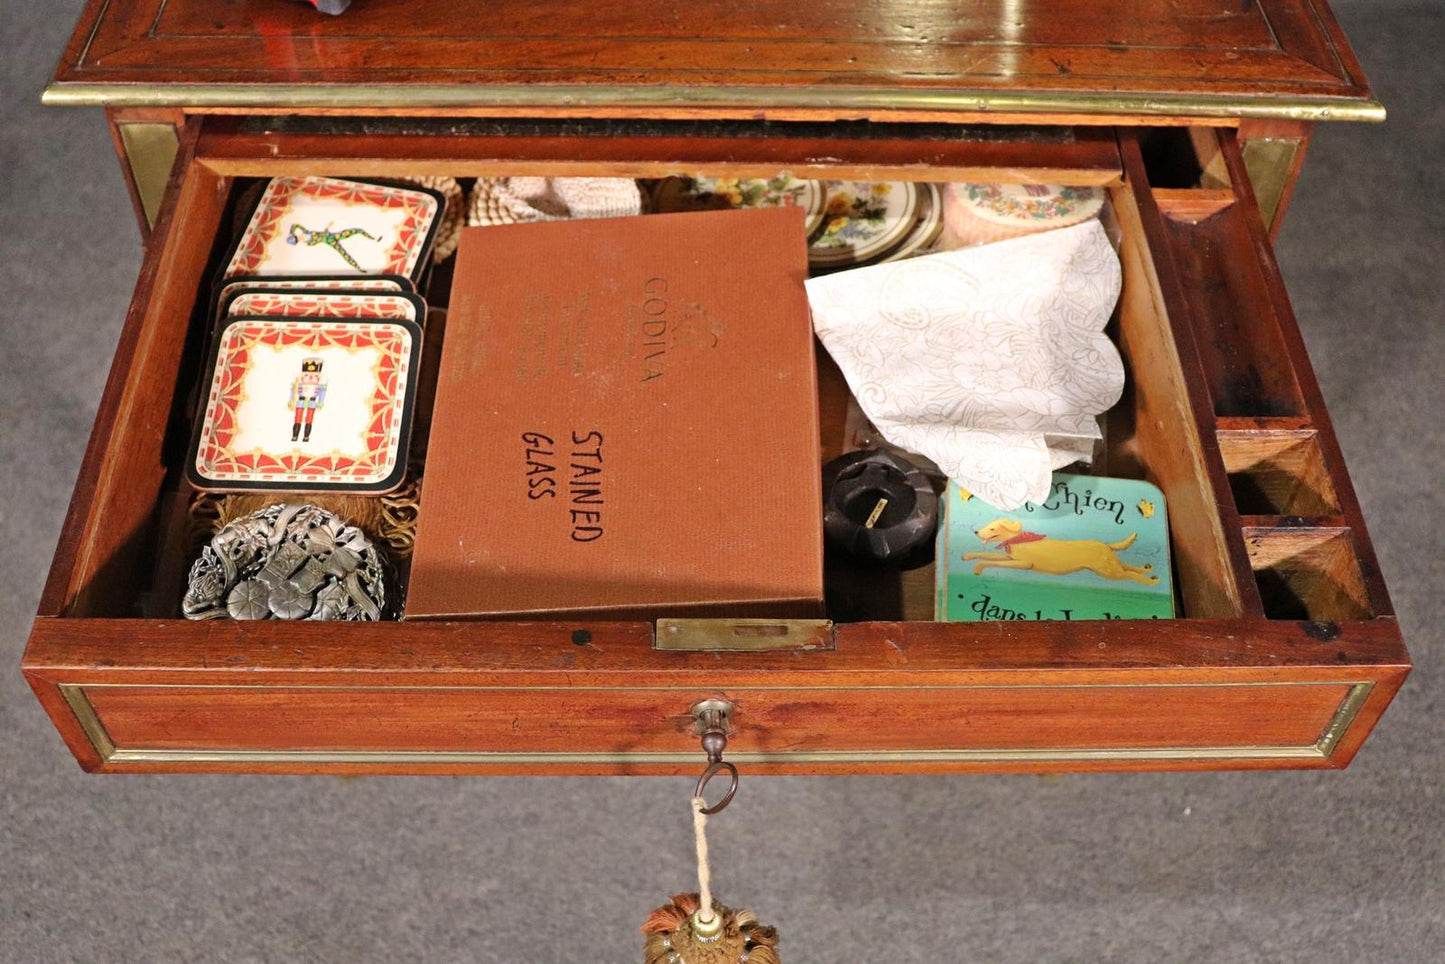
<point x="711" y="721"/>
<point x="713" y="770"/>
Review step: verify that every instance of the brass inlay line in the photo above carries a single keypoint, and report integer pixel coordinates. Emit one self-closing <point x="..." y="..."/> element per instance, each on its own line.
<point x="810" y="757"/>
<point x="1345" y="714"/>
<point x="1353" y="702"/>
<point x="693" y="687"/>
<point x="963" y="100"/>
<point x="80" y="705"/>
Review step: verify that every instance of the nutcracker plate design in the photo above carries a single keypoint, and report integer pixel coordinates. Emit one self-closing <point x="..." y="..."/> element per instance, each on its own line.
<point x="307" y="405"/>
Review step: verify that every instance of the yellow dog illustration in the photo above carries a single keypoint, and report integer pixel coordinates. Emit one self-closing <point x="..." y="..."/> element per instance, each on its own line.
<point x="1055" y="557"/>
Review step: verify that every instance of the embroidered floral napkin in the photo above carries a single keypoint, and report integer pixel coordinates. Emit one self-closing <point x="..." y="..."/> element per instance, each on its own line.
<point x="992" y="361"/>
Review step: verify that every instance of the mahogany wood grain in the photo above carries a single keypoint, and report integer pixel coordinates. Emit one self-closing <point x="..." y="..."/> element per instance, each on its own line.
<point x="820" y="50"/>
<point x="1171" y="403"/>
<point x="132" y="467"/>
<point x="1276" y="299"/>
<point x="682" y="112"/>
<point x="1248" y="522"/>
<point x="387" y="147"/>
<point x="105" y="468"/>
<point x="1308" y="572"/>
<point x="1192" y="205"/>
<point x="1279" y="472"/>
<point x="1248" y="371"/>
<point x="435" y="688"/>
<point x="175" y="651"/>
<point x="778" y="721"/>
<point x="85" y="751"/>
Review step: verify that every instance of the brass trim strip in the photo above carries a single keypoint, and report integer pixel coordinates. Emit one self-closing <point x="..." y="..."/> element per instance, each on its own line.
<point x="1344" y="717"/>
<point x="292" y="97"/>
<point x="695" y="687"/>
<point x="90" y="724"/>
<point x="813" y="757"/>
<point x="1350" y="707"/>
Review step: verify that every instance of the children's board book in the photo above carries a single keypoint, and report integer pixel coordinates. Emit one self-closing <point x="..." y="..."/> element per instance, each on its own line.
<point x="1096" y="548"/>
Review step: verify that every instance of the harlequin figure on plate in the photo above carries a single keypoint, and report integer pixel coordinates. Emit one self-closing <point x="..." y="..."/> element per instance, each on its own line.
<point x="300" y="234"/>
<point x="308" y="394"/>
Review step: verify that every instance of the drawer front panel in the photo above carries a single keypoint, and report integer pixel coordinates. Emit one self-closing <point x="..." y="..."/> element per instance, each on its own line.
<point x="537" y="729"/>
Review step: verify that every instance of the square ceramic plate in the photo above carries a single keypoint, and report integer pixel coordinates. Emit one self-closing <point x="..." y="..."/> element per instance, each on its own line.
<point x="317" y="282"/>
<point x="307" y="405"/>
<point x="302" y="303"/>
<point x="325" y="225"/>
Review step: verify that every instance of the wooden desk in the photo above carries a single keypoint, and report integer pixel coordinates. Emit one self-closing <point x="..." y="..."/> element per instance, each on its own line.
<point x="1194" y="115"/>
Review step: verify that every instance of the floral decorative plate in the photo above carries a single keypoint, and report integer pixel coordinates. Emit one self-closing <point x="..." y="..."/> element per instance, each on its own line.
<point x="675" y="194"/>
<point x="1031" y="204"/>
<point x="864" y="222"/>
<point x="925" y="229"/>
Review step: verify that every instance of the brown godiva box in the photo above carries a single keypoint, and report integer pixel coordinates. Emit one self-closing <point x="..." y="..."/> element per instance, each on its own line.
<point x="626" y="423"/>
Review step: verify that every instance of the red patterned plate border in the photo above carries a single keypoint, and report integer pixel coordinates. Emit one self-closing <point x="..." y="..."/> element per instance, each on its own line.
<point x="215" y="465"/>
<point x="422" y="207"/>
<point x="299" y="303"/>
<point x="355" y="282"/>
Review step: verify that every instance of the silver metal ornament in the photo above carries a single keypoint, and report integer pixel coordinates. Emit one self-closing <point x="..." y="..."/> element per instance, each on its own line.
<point x="288" y="561"/>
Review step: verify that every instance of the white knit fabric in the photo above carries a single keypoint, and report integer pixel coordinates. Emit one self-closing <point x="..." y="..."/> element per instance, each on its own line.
<point x="506" y="200"/>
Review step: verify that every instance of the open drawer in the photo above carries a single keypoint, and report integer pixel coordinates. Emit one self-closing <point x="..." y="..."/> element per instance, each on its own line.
<point x="1285" y="655"/>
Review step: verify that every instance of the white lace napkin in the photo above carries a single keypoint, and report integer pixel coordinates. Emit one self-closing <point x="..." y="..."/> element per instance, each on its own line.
<point x="992" y="361"/>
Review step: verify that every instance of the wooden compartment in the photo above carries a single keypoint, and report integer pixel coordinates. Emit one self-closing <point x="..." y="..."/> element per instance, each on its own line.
<point x="1276" y="467"/>
<point x="131" y="687"/>
<point x="1307" y="573"/>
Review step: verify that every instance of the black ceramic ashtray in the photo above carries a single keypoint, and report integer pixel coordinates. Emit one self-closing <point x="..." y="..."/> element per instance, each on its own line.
<point x="877" y="506"/>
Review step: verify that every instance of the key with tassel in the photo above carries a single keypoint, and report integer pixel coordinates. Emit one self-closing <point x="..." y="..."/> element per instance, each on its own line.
<point x="693" y="928"/>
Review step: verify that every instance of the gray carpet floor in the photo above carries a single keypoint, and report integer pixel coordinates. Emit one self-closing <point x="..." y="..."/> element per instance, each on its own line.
<point x="1234" y="867"/>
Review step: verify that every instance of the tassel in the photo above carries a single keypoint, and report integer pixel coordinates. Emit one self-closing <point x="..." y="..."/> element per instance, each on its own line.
<point x="673" y="938"/>
<point x="693" y="929"/>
